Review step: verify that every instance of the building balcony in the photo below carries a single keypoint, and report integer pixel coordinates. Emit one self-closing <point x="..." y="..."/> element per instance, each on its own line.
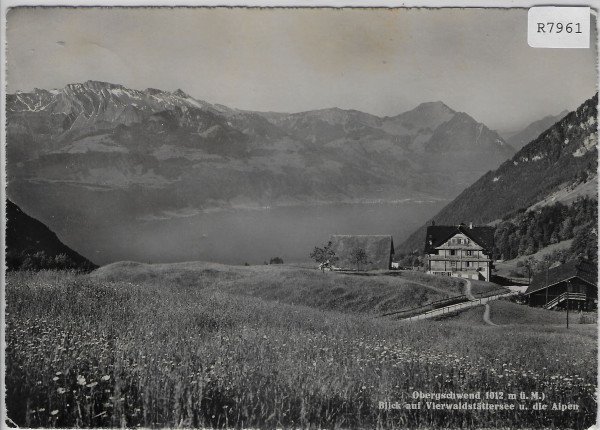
<point x="457" y="258"/>
<point x="459" y="247"/>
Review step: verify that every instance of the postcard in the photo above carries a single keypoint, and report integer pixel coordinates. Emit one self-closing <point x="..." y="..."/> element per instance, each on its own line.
<point x="300" y="217"/>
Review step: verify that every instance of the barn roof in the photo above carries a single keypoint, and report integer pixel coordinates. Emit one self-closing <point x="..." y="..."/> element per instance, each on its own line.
<point x="438" y="234"/>
<point x="379" y="249"/>
<point x="583" y="270"/>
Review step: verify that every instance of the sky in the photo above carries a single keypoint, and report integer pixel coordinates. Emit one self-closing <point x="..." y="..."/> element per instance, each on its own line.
<point x="380" y="61"/>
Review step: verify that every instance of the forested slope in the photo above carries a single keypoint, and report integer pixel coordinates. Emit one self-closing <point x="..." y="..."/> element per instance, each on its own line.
<point x="563" y="156"/>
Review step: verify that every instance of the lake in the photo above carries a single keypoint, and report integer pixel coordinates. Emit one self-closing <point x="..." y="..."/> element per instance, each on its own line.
<point x="249" y="235"/>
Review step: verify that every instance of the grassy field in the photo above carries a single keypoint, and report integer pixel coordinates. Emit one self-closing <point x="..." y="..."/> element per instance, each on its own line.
<point x="194" y="345"/>
<point x="348" y="293"/>
<point x="505" y="312"/>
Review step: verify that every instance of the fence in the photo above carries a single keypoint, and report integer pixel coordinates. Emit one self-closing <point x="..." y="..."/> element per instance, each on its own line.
<point x="448" y="302"/>
<point x="456" y="307"/>
<point x="563" y="297"/>
<point x="588" y="318"/>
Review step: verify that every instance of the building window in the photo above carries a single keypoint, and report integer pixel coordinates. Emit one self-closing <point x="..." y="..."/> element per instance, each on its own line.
<point x="468" y="264"/>
<point x="453" y="252"/>
<point x="469" y="253"/>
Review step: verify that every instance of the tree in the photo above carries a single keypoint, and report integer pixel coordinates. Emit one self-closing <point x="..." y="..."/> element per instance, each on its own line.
<point x="585" y="243"/>
<point x="411" y="259"/>
<point x="324" y="257"/>
<point x="529" y="263"/>
<point x="357" y="256"/>
<point x="543" y="265"/>
<point x="276" y="260"/>
<point x="566" y="230"/>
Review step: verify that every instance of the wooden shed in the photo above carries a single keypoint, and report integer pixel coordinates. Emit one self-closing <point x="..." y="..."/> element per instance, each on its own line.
<point x="574" y="281"/>
<point x="379" y="251"/>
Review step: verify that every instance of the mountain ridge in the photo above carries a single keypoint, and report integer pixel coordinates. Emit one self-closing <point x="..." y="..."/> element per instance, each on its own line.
<point x="45" y="122"/>
<point x="533" y="130"/>
<point x="565" y="154"/>
<point x="32" y="245"/>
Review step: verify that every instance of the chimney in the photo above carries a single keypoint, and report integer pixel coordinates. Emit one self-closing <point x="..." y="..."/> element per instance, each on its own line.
<point x="432" y="222"/>
<point x="471" y="226"/>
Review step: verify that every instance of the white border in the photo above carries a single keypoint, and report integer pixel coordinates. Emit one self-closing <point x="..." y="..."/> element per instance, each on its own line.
<point x="6" y="4"/>
<point x="308" y="3"/>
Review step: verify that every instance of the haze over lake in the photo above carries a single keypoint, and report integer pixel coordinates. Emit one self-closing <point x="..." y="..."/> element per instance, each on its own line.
<point x="247" y="235"/>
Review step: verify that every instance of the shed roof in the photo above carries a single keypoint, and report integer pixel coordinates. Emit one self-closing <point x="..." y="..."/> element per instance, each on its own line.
<point x="379" y="249"/>
<point x="583" y="270"/>
<point x="438" y="234"/>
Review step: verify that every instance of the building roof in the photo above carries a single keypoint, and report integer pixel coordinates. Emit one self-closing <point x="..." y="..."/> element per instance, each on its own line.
<point x="378" y="248"/>
<point x="583" y="270"/>
<point x="438" y="234"/>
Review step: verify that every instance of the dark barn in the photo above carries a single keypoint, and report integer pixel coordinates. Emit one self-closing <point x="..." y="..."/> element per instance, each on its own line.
<point x="575" y="281"/>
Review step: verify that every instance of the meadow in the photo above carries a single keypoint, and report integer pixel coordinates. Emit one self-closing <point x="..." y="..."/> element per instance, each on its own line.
<point x="202" y="345"/>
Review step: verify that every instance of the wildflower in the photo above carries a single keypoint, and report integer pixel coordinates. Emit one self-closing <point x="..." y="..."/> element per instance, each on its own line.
<point x="61" y="390"/>
<point x="54" y="412"/>
<point x="92" y="384"/>
<point x="105" y="377"/>
<point x="80" y="380"/>
<point x="55" y="378"/>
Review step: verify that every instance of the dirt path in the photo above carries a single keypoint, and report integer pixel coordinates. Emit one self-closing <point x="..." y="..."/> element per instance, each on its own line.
<point x="468" y="290"/>
<point x="486" y="316"/>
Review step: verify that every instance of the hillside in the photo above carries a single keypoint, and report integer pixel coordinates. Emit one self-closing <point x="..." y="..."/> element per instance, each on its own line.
<point x="329" y="291"/>
<point x="527" y="232"/>
<point x="30" y="245"/>
<point x="564" y="156"/>
<point x="176" y="347"/>
<point x="509" y="268"/>
<point x="533" y="130"/>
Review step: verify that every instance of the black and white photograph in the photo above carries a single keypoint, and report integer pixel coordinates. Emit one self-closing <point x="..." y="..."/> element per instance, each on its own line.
<point x="300" y="217"/>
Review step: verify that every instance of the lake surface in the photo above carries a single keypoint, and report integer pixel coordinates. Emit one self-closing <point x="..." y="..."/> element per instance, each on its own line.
<point x="250" y="235"/>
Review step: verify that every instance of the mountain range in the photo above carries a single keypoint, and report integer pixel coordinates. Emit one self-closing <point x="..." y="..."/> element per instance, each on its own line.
<point x="154" y="151"/>
<point x="561" y="159"/>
